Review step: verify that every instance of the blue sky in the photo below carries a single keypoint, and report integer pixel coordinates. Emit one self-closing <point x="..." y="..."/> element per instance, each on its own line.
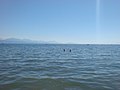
<point x="67" y="21"/>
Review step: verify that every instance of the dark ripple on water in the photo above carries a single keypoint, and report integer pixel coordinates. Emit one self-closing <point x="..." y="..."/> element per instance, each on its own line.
<point x="48" y="67"/>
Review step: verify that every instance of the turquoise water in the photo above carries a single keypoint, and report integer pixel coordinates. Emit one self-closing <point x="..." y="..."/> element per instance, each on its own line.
<point x="48" y="67"/>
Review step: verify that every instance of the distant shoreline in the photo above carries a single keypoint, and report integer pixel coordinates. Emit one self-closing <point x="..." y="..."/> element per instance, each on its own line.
<point x="53" y="44"/>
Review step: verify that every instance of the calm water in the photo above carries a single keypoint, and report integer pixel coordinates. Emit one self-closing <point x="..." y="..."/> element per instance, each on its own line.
<point x="48" y="67"/>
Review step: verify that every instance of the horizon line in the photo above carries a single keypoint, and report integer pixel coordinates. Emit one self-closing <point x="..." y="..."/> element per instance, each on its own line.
<point x="57" y="42"/>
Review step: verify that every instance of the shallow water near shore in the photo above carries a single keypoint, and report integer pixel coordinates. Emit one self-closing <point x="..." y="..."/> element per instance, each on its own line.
<point x="49" y="67"/>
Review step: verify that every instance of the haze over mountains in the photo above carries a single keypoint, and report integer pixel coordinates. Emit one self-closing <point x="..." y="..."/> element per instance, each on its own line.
<point x="24" y="41"/>
<point x="29" y="41"/>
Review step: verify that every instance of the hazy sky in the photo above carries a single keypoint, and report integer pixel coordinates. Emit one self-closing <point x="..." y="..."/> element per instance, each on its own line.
<point x="76" y="21"/>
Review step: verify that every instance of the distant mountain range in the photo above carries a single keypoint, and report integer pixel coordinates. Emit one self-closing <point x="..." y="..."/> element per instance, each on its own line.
<point x="24" y="41"/>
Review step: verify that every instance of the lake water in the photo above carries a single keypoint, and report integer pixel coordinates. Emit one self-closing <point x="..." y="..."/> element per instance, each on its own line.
<point x="49" y="67"/>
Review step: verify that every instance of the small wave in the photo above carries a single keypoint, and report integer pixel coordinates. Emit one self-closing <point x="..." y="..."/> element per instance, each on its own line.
<point x="43" y="84"/>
